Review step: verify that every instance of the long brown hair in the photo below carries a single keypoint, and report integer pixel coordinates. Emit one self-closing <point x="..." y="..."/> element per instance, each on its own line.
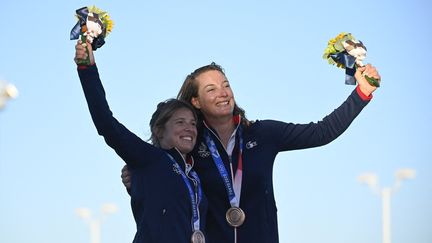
<point x="189" y="90"/>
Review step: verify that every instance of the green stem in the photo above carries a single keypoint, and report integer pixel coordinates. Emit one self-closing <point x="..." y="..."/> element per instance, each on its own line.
<point x="371" y="81"/>
<point x="87" y="60"/>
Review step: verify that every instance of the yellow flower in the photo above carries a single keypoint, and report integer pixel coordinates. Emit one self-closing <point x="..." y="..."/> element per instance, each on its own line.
<point x="106" y="20"/>
<point x="334" y="46"/>
<point x="94" y="9"/>
<point x="104" y="17"/>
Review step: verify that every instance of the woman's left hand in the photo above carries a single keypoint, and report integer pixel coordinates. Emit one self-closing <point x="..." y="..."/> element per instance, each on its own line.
<point x="370" y="71"/>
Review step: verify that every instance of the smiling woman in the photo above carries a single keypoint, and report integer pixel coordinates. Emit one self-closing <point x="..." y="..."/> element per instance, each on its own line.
<point x="237" y="171"/>
<point x="167" y="201"/>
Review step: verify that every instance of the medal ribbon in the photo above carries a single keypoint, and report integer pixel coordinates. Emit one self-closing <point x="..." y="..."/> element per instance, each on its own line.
<point x="195" y="199"/>
<point x="233" y="192"/>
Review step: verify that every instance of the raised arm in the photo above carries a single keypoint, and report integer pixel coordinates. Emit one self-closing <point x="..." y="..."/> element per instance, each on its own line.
<point x="290" y="136"/>
<point x="126" y="144"/>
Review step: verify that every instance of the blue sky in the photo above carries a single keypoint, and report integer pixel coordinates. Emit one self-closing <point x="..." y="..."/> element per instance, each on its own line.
<point x="52" y="161"/>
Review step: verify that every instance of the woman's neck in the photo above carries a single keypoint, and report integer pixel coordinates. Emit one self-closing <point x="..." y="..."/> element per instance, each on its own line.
<point x="224" y="128"/>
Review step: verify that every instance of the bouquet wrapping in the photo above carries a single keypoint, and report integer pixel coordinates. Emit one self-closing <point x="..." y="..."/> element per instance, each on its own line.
<point x="93" y="26"/>
<point x="348" y="53"/>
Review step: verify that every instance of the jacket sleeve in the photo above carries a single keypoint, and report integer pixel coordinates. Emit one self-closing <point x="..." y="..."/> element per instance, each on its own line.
<point x="126" y="144"/>
<point x="290" y="136"/>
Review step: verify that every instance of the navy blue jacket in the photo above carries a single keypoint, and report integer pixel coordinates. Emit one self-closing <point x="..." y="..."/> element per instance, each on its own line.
<point x="160" y="200"/>
<point x="263" y="140"/>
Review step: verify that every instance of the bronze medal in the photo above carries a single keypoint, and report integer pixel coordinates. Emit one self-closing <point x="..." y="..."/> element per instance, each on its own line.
<point x="198" y="237"/>
<point x="235" y="216"/>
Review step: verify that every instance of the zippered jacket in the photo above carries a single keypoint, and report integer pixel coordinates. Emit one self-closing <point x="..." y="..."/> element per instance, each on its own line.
<point x="263" y="140"/>
<point x="160" y="199"/>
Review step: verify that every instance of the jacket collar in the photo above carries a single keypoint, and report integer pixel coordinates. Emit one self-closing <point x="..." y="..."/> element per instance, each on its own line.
<point x="236" y="119"/>
<point x="176" y="154"/>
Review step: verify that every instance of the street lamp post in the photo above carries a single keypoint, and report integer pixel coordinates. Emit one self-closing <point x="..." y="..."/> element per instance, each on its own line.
<point x="7" y="91"/>
<point x="372" y="181"/>
<point x="94" y="223"/>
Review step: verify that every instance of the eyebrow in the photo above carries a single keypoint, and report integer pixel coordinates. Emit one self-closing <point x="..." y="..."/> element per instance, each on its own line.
<point x="183" y="118"/>
<point x="209" y="85"/>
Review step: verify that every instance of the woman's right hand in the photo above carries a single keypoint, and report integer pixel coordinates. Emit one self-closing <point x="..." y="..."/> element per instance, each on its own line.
<point x="81" y="52"/>
<point x="126" y="177"/>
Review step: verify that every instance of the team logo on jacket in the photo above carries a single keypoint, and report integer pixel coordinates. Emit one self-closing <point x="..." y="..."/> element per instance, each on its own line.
<point x="203" y="151"/>
<point x="251" y="144"/>
<point x="176" y="168"/>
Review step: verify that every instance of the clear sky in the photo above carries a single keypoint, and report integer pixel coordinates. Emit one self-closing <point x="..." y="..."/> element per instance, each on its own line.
<point x="52" y="161"/>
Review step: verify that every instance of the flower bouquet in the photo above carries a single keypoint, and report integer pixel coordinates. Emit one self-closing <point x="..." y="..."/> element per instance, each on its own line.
<point x="93" y="26"/>
<point x="346" y="52"/>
